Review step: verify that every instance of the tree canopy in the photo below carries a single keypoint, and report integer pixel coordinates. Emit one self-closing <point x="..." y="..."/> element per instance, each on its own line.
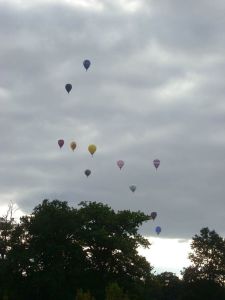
<point x="91" y="253"/>
<point x="59" y="249"/>
<point x="206" y="275"/>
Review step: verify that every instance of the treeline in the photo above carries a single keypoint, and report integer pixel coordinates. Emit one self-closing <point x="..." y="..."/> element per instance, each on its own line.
<point x="90" y="253"/>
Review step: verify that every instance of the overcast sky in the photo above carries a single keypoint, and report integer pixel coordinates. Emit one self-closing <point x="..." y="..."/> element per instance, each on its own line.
<point x="155" y="89"/>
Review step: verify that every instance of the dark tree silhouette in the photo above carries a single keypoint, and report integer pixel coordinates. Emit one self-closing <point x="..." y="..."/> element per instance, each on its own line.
<point x="205" y="278"/>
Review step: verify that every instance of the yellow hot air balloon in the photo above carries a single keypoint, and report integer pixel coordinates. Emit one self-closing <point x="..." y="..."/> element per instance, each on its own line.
<point x="73" y="145"/>
<point x="92" y="149"/>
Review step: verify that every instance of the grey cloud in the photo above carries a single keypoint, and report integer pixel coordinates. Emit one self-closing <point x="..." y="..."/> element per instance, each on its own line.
<point x="155" y="89"/>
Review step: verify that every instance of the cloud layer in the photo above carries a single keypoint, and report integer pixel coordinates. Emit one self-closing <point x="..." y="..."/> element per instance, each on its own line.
<point x="155" y="89"/>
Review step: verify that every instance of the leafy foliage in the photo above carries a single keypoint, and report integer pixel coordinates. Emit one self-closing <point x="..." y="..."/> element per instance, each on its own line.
<point x="170" y="285"/>
<point x="208" y="258"/>
<point x="58" y="252"/>
<point x="205" y="278"/>
<point x="114" y="292"/>
<point x="83" y="295"/>
<point x="59" y="249"/>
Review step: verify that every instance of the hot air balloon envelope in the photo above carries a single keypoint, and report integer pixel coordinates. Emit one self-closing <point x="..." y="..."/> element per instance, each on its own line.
<point x="86" y="63"/>
<point x="158" y="229"/>
<point x="133" y="188"/>
<point x="60" y="143"/>
<point x="73" y="145"/>
<point x="68" y="87"/>
<point x="120" y="164"/>
<point x="87" y="172"/>
<point x="92" y="149"/>
<point x="153" y="215"/>
<point x="156" y="163"/>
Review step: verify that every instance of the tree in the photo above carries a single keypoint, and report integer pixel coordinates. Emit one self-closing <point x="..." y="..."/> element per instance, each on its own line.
<point x="47" y="259"/>
<point x="7" y="226"/>
<point x="205" y="278"/>
<point x="114" y="292"/>
<point x="83" y="295"/>
<point x="208" y="258"/>
<point x="111" y="240"/>
<point x="170" y="285"/>
<point x="59" y="249"/>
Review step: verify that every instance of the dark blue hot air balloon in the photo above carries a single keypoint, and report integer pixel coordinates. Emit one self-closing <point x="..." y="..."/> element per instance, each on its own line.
<point x="158" y="230"/>
<point x="68" y="87"/>
<point x="87" y="172"/>
<point x="153" y="215"/>
<point x="60" y="143"/>
<point x="86" y="63"/>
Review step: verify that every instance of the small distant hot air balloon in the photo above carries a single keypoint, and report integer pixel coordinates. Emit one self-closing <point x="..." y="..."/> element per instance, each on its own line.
<point x="92" y="148"/>
<point x="153" y="215"/>
<point x="86" y="63"/>
<point x="68" y="87"/>
<point x="158" y="230"/>
<point x="73" y="145"/>
<point x="156" y="163"/>
<point x="87" y="172"/>
<point x="60" y="143"/>
<point x="132" y="188"/>
<point x="120" y="164"/>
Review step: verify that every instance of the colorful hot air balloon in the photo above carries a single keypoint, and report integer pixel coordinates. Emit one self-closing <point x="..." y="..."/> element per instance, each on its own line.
<point x="120" y="164"/>
<point x="132" y="188"/>
<point x="68" y="87"/>
<point x="156" y="163"/>
<point x="92" y="148"/>
<point x="86" y="63"/>
<point x="153" y="215"/>
<point x="60" y="143"/>
<point x="158" y="230"/>
<point x="87" y="172"/>
<point x="73" y="145"/>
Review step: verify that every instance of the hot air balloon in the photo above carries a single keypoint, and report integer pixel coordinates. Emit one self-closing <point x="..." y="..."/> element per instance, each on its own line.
<point x="73" y="145"/>
<point x="68" y="87"/>
<point x="86" y="63"/>
<point x="120" y="164"/>
<point x="87" y="172"/>
<point x="158" y="230"/>
<point x="156" y="163"/>
<point x="92" y="148"/>
<point x="153" y="215"/>
<point x="60" y="143"/>
<point x="133" y="188"/>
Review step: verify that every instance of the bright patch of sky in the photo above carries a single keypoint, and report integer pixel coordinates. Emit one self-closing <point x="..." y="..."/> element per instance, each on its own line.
<point x="167" y="255"/>
<point x="16" y="211"/>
